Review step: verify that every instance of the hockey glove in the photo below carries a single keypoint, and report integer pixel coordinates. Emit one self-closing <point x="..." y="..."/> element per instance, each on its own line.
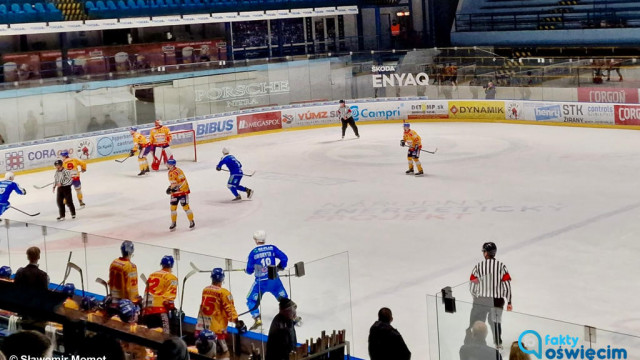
<point x="24" y="191"/>
<point x="280" y="268"/>
<point x="402" y="143"/>
<point x="218" y="168"/>
<point x="169" y="190"/>
<point x="241" y="327"/>
<point x="132" y="152"/>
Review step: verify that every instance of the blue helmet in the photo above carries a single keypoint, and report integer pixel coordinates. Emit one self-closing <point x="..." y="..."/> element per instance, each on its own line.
<point x="133" y="128"/>
<point x="69" y="289"/>
<point x="171" y="162"/>
<point x="167" y="261"/>
<point x="126" y="248"/>
<point x="406" y="125"/>
<point x="217" y="275"/>
<point x="64" y="153"/>
<point x="5" y="272"/>
<point x="88" y="303"/>
<point x="127" y="310"/>
<point x="207" y="335"/>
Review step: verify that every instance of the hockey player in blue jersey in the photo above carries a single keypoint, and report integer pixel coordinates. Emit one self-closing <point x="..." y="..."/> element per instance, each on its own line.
<point x="235" y="169"/>
<point x="7" y="186"/>
<point x="259" y="259"/>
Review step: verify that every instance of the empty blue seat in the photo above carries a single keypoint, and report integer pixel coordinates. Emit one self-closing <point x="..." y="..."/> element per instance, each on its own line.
<point x="28" y="8"/>
<point x="15" y="8"/>
<point x="111" y="5"/>
<point x="100" y="5"/>
<point x="38" y="7"/>
<point x="3" y="9"/>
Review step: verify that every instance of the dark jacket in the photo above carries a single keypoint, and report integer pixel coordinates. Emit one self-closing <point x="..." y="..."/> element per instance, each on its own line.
<point x="478" y="350"/>
<point x="32" y="277"/>
<point x="386" y="343"/>
<point x="282" y="338"/>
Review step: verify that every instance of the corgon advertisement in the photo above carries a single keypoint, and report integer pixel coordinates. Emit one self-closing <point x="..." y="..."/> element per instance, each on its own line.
<point x="608" y="95"/>
<point x="627" y="114"/>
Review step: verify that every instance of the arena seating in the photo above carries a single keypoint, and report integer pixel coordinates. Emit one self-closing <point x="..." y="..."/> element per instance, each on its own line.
<point x="23" y="12"/>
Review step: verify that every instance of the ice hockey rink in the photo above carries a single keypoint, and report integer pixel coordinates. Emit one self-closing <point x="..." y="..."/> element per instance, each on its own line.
<point x="560" y="203"/>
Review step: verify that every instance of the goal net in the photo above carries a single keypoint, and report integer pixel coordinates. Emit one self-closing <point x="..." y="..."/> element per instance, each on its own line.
<point x="183" y="145"/>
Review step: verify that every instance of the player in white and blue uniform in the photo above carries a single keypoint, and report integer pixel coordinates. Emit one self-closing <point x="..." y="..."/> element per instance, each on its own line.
<point x="7" y="186"/>
<point x="260" y="259"/>
<point x="235" y="169"/>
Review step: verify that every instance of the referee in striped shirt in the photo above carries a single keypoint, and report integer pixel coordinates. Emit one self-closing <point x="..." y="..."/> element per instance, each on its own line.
<point x="63" y="183"/>
<point x="490" y="285"/>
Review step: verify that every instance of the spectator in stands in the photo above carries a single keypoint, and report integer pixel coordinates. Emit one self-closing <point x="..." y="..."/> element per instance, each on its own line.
<point x="385" y="342"/>
<point x="475" y="344"/>
<point x="108" y="123"/>
<point x="282" y="333"/>
<point x="31" y="276"/>
<point x="25" y="344"/>
<point x="101" y="345"/>
<point x="490" y="90"/>
<point x="173" y="349"/>
<point x="93" y="125"/>
<point x="516" y="353"/>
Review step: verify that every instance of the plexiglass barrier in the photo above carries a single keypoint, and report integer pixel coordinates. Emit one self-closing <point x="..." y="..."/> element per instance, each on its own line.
<point x="86" y="105"/>
<point x="451" y="337"/>
<point x="322" y="292"/>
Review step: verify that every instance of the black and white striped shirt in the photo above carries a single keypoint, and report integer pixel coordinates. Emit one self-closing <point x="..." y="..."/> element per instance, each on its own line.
<point x="490" y="278"/>
<point x="62" y="177"/>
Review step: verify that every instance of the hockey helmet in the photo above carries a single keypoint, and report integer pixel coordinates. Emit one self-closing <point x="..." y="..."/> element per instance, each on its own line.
<point x="260" y="236"/>
<point x="89" y="303"/>
<point x="206" y="342"/>
<point x="217" y="275"/>
<point x="126" y="248"/>
<point x="57" y="162"/>
<point x="127" y="310"/>
<point x="490" y="248"/>
<point x="158" y="123"/>
<point x="64" y="153"/>
<point x="69" y="289"/>
<point x="9" y="175"/>
<point x="5" y="272"/>
<point x="225" y="151"/>
<point x="172" y="162"/>
<point x="167" y="261"/>
<point x="133" y="128"/>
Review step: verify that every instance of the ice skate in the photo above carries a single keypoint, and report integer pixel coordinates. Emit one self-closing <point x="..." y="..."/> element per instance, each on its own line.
<point x="409" y="172"/>
<point x="142" y="172"/>
<point x="257" y="323"/>
<point x="81" y="203"/>
<point x="249" y="193"/>
<point x="420" y="173"/>
<point x="238" y="198"/>
<point x="192" y="224"/>
<point x="172" y="227"/>
<point x="60" y="218"/>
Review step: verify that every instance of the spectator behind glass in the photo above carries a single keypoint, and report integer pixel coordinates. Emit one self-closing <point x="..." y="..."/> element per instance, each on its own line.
<point x="475" y="344"/>
<point x="282" y="333"/>
<point x="27" y="343"/>
<point x="385" y="342"/>
<point x="490" y="90"/>
<point x="94" y="125"/>
<point x="31" y="276"/>
<point x="516" y="353"/>
<point x="101" y="345"/>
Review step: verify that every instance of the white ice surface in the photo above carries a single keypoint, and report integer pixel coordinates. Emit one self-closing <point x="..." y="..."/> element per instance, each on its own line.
<point x="561" y="203"/>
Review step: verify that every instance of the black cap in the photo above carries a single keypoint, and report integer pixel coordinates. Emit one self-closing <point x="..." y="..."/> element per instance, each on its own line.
<point x="286" y="303"/>
<point x="490" y="248"/>
<point x="341" y="101"/>
<point x="57" y="162"/>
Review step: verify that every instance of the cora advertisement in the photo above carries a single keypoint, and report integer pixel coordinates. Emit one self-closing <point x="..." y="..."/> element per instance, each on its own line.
<point x="259" y="122"/>
<point x="627" y="114"/>
<point x="490" y="110"/>
<point x="608" y="95"/>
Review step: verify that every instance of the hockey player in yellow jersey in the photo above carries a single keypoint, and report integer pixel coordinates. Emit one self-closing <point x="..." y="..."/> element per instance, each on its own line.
<point x="123" y="277"/>
<point x="159" y="296"/>
<point x="140" y="144"/>
<point x="179" y="191"/>
<point x="412" y="140"/>
<point x="75" y="167"/>
<point x="217" y="309"/>
<point x="160" y="139"/>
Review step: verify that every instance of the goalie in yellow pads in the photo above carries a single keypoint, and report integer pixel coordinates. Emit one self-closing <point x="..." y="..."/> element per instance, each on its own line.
<point x="412" y="140"/>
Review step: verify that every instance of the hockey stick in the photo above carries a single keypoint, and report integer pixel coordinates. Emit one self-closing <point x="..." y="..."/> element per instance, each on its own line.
<point x="250" y="310"/>
<point x="125" y="159"/>
<point x="184" y="281"/>
<point x="194" y="267"/>
<point x="67" y="270"/>
<point x="26" y="213"/>
<point x="103" y="283"/>
<point x="43" y="186"/>
<point x="78" y="269"/>
<point x="143" y="277"/>
<point x="245" y="174"/>
<point x="427" y="151"/>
